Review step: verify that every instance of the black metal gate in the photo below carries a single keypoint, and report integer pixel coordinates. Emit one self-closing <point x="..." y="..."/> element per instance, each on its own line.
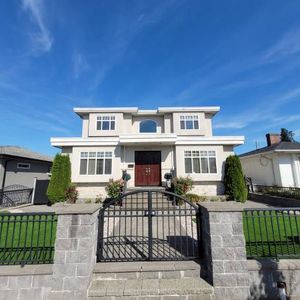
<point x="148" y="225"/>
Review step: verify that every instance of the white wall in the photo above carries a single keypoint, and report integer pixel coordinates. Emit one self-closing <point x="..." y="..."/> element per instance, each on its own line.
<point x="204" y="124"/>
<point x="222" y="152"/>
<point x="282" y="169"/>
<point x="260" y="169"/>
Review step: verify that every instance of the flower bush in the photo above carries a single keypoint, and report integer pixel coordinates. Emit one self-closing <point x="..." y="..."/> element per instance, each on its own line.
<point x="182" y="185"/>
<point x="71" y="194"/>
<point x="115" y="188"/>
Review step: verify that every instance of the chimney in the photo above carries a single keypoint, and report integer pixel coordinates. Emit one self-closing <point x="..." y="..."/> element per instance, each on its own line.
<point x="273" y="138"/>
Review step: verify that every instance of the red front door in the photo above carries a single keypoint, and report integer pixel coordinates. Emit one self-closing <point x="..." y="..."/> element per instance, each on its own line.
<point x="147" y="168"/>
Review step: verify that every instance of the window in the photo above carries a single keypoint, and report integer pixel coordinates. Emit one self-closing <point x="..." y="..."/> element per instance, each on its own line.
<point x="189" y="122"/>
<point x="24" y="166"/>
<point x="200" y="162"/>
<point x="148" y="126"/>
<point x="98" y="163"/>
<point x="106" y="123"/>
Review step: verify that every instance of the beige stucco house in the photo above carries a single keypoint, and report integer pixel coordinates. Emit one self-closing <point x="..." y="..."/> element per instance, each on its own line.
<point x="147" y="144"/>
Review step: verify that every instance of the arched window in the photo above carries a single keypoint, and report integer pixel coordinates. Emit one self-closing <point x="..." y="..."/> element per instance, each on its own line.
<point x="148" y="126"/>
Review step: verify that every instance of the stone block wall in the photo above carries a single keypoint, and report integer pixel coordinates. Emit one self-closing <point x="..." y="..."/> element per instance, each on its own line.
<point x="224" y="250"/>
<point x="74" y="260"/>
<point x="265" y="274"/>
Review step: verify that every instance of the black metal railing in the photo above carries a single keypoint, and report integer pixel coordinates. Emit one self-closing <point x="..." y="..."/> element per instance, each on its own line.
<point x="27" y="238"/>
<point x="148" y="225"/>
<point x="288" y="192"/>
<point x="272" y="232"/>
<point x="15" y="197"/>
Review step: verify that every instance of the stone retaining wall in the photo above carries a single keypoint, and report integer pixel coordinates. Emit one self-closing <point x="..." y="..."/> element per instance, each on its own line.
<point x="265" y="274"/>
<point x="74" y="260"/>
<point x="224" y="249"/>
<point x="274" y="200"/>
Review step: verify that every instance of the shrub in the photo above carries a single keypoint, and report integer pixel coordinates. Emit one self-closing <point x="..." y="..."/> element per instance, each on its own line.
<point x="182" y="185"/>
<point x="114" y="188"/>
<point x="72" y="194"/>
<point x="60" y="178"/>
<point x="195" y="198"/>
<point x="235" y="186"/>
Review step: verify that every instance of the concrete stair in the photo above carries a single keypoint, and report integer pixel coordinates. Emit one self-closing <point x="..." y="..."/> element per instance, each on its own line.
<point x="149" y="280"/>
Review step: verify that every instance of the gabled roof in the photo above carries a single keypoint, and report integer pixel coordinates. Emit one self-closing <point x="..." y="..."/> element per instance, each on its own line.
<point x="23" y="152"/>
<point x="280" y="147"/>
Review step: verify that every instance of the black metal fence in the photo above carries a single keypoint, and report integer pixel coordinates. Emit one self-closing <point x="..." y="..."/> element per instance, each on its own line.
<point x="288" y="192"/>
<point x="272" y="232"/>
<point x="27" y="238"/>
<point x="148" y="225"/>
<point x="12" y="198"/>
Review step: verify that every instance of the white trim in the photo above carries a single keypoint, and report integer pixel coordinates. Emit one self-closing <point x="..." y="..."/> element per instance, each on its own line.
<point x="135" y="110"/>
<point x="212" y="109"/>
<point x="287" y="150"/>
<point x="157" y="138"/>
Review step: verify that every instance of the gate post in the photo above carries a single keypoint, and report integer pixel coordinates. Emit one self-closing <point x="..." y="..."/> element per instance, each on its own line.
<point x="100" y="235"/>
<point x="224" y="249"/>
<point x="150" y="238"/>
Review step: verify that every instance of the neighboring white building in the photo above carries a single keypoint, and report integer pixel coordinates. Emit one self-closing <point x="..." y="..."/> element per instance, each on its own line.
<point x="147" y="144"/>
<point x="277" y="164"/>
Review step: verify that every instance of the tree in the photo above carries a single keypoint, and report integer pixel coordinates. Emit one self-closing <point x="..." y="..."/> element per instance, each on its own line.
<point x="287" y="136"/>
<point x="60" y="179"/>
<point x="235" y="186"/>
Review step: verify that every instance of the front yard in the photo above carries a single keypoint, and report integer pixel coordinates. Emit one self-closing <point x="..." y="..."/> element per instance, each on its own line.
<point x="27" y="239"/>
<point x="272" y="233"/>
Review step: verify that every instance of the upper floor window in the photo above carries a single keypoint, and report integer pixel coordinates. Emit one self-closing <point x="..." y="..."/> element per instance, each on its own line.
<point x="148" y="126"/>
<point x="189" y="122"/>
<point x="200" y="162"/>
<point x="106" y="123"/>
<point x="98" y="163"/>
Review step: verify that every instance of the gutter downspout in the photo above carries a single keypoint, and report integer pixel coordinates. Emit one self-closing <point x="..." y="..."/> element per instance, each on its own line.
<point x="4" y="174"/>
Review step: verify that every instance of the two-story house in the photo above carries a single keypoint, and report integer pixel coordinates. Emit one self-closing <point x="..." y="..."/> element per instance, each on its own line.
<point x="147" y="144"/>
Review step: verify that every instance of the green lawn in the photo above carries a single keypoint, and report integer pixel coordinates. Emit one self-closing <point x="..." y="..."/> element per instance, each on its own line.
<point x="272" y="233"/>
<point x="27" y="239"/>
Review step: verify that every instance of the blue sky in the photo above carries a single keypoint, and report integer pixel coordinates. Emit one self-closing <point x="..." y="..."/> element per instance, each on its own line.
<point x="58" y="54"/>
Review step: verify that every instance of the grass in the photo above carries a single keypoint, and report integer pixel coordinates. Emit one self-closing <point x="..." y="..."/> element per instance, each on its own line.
<point x="27" y="239"/>
<point x="272" y="233"/>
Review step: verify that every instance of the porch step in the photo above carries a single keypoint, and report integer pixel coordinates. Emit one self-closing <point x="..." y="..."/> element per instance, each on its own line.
<point x="147" y="270"/>
<point x="184" y="288"/>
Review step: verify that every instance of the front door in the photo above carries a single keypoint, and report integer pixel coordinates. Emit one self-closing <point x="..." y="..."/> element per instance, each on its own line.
<point x="147" y="168"/>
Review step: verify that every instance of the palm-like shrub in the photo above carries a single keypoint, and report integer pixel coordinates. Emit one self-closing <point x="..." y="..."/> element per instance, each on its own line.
<point x="234" y="182"/>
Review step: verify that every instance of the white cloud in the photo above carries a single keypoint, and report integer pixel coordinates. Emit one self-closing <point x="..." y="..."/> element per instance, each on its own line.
<point x="42" y="38"/>
<point x="80" y="64"/>
<point x="266" y="113"/>
<point x="288" y="45"/>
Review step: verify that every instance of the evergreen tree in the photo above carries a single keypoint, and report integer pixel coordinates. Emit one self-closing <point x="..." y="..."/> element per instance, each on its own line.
<point x="235" y="186"/>
<point x="287" y="136"/>
<point x="60" y="178"/>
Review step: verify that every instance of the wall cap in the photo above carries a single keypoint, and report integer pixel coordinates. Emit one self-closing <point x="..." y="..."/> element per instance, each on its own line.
<point x="228" y="206"/>
<point x="271" y="264"/>
<point x="26" y="270"/>
<point x="61" y="209"/>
